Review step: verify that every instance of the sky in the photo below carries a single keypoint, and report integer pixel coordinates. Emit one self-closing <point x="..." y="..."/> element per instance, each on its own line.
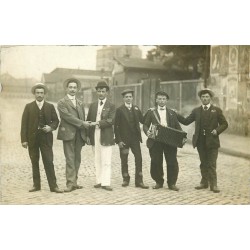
<point x="32" y="61"/>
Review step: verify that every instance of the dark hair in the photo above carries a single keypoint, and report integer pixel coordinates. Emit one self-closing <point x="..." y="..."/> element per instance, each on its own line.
<point x="162" y="93"/>
<point x="72" y="81"/>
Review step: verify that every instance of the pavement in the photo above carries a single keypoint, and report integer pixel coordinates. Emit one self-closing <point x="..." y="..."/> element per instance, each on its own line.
<point x="233" y="171"/>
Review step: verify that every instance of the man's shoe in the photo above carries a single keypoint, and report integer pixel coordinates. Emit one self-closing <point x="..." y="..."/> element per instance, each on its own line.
<point x="215" y="189"/>
<point x="201" y="186"/>
<point x="69" y="189"/>
<point x="78" y="187"/>
<point x="125" y="183"/>
<point x="57" y="190"/>
<point x="141" y="185"/>
<point x="174" y="188"/>
<point x="98" y="185"/>
<point x="157" y="186"/>
<point x="108" y="188"/>
<point x="34" y="189"/>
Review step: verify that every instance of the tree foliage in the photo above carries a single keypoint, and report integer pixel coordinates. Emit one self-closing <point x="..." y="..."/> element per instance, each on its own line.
<point x="194" y="59"/>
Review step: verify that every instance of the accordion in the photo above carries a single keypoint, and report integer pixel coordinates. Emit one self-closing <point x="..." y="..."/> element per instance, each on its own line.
<point x="167" y="135"/>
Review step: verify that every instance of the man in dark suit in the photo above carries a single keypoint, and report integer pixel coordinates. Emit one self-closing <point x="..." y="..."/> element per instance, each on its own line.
<point x="72" y="131"/>
<point x="165" y="117"/>
<point x="128" y="135"/>
<point x="39" y="119"/>
<point x="101" y="115"/>
<point x="209" y="123"/>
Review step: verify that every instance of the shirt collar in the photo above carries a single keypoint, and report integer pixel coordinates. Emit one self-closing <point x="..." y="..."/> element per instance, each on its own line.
<point x="128" y="105"/>
<point x="103" y="101"/>
<point x="40" y="103"/>
<point x="161" y="108"/>
<point x="208" y="106"/>
<point x="71" y="97"/>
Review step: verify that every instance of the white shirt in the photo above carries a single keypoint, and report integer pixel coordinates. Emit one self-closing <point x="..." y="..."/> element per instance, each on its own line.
<point x="72" y="98"/>
<point x="100" y="108"/>
<point x="208" y="106"/>
<point x="129" y="106"/>
<point x="163" y="115"/>
<point x="40" y="104"/>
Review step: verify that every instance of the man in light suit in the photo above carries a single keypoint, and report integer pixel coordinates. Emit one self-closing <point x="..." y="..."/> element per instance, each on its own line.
<point x="101" y="115"/>
<point x="72" y="131"/>
<point x="209" y="123"/>
<point x="39" y="119"/>
<point x="128" y="135"/>
<point x="165" y="117"/>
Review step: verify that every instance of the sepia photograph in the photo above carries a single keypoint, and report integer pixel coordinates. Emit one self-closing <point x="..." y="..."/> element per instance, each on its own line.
<point x="152" y="125"/>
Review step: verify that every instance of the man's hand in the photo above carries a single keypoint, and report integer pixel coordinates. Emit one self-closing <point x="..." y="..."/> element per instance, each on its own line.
<point x="88" y="141"/>
<point x="121" y="144"/>
<point x="214" y="132"/>
<point x="47" y="129"/>
<point x="86" y="124"/>
<point x="25" y="144"/>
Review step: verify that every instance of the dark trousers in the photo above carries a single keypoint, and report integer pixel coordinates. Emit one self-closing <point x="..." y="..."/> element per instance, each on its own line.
<point x="156" y="170"/>
<point x="72" y="151"/>
<point x="208" y="158"/>
<point x="44" y="144"/>
<point x="135" y="147"/>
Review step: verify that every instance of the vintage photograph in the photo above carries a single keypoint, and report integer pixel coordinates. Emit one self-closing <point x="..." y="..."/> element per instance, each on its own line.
<point x="125" y="124"/>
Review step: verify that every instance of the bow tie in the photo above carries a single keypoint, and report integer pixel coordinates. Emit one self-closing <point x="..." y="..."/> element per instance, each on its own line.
<point x="162" y="108"/>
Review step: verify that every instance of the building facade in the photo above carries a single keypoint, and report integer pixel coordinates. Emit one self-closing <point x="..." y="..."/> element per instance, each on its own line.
<point x="105" y="55"/>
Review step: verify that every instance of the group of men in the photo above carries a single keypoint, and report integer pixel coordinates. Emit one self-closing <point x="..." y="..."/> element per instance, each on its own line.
<point x="104" y="125"/>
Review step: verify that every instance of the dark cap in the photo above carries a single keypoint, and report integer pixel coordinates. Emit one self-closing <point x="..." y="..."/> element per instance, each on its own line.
<point x="39" y="86"/>
<point x="101" y="85"/>
<point x="126" y="91"/>
<point x="162" y="93"/>
<point x="206" y="91"/>
<point x="66" y="83"/>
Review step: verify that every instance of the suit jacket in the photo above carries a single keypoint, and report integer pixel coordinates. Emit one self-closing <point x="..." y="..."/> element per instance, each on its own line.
<point x="216" y="119"/>
<point x="149" y="119"/>
<point x="106" y="123"/>
<point x="122" y="125"/>
<point x="71" y="119"/>
<point x="30" y="120"/>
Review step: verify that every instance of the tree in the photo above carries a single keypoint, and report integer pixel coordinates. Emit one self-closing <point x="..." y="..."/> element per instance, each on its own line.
<point x="193" y="59"/>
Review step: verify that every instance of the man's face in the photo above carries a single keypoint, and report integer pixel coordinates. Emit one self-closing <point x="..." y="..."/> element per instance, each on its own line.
<point x="205" y="99"/>
<point x="161" y="100"/>
<point x="128" y="98"/>
<point x="102" y="93"/>
<point x="72" y="88"/>
<point x="39" y="94"/>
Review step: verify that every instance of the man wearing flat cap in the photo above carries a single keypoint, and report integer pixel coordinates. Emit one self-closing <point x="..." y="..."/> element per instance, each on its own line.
<point x="101" y="115"/>
<point x="209" y="123"/>
<point x="72" y="131"/>
<point x="128" y="136"/>
<point x="39" y="119"/>
<point x="161" y="115"/>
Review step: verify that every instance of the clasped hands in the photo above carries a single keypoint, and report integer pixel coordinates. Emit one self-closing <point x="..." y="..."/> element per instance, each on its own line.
<point x="88" y="124"/>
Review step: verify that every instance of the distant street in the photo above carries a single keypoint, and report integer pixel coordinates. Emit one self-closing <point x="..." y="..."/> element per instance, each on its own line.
<point x="16" y="179"/>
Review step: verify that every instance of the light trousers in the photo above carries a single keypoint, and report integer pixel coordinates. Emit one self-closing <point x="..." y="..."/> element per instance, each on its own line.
<point x="103" y="156"/>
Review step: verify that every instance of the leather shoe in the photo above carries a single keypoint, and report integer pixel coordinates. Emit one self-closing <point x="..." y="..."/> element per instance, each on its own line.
<point x="125" y="183"/>
<point x="157" y="186"/>
<point x="34" y="189"/>
<point x="141" y="185"/>
<point x="174" y="188"/>
<point x="201" y="186"/>
<point x="97" y="185"/>
<point x="69" y="189"/>
<point x="57" y="190"/>
<point x="108" y="188"/>
<point x="78" y="187"/>
<point x="215" y="189"/>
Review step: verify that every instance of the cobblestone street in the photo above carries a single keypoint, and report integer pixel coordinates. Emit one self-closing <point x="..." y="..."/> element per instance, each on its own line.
<point x="233" y="174"/>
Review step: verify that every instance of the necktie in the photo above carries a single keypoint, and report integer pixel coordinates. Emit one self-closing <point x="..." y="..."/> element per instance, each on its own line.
<point x="162" y="108"/>
<point x="101" y="103"/>
<point x="205" y="107"/>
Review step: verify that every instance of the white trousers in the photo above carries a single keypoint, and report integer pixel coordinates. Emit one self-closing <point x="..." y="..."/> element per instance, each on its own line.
<point x="103" y="156"/>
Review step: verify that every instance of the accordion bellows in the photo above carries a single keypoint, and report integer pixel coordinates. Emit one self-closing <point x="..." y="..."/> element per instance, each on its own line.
<point x="170" y="136"/>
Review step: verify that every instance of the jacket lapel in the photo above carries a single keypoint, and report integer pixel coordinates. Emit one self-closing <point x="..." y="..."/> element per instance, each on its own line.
<point x="78" y="107"/>
<point x="124" y="111"/>
<point x="69" y="102"/>
<point x="95" y="107"/>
